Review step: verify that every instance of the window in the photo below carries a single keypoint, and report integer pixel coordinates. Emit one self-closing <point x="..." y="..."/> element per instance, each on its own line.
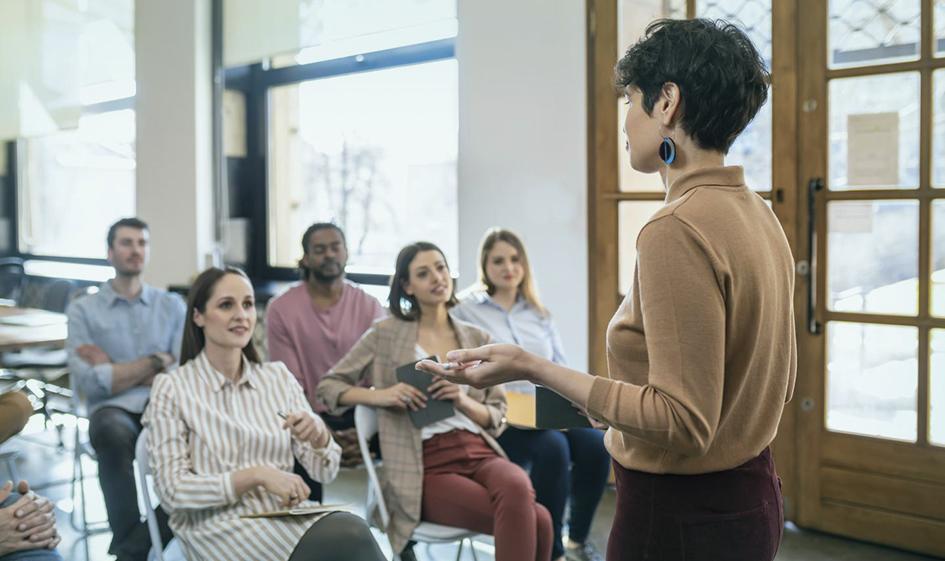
<point x="74" y="183"/>
<point x="351" y="117"/>
<point x="374" y="152"/>
<point x="360" y="127"/>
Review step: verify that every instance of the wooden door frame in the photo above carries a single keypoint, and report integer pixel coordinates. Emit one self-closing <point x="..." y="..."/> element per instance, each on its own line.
<point x="604" y="193"/>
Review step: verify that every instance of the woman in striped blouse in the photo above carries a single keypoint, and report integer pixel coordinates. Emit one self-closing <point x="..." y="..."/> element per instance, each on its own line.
<point x="224" y="430"/>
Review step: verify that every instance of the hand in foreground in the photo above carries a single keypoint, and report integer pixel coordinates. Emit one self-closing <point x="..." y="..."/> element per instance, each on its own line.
<point x="289" y="487"/>
<point x="304" y="426"/>
<point x="400" y="396"/>
<point x="29" y="523"/>
<point x="484" y="366"/>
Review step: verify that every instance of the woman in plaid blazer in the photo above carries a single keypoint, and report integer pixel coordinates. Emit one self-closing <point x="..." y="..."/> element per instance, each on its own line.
<point x="451" y="472"/>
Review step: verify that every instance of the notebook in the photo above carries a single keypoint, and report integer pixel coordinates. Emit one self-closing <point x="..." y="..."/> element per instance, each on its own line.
<point x="436" y="409"/>
<point x="555" y="412"/>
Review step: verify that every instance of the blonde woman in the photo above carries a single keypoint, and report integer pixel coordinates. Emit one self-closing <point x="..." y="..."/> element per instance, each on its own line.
<point x="451" y="472"/>
<point x="564" y="466"/>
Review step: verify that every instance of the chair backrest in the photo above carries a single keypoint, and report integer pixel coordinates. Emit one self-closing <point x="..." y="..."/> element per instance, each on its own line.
<point x="144" y="469"/>
<point x="12" y="278"/>
<point x="365" y="422"/>
<point x="56" y="295"/>
<point x="46" y="294"/>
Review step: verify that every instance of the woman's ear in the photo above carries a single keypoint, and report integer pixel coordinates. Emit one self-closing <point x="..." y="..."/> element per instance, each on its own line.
<point x="406" y="287"/>
<point x="669" y="103"/>
<point x="199" y="319"/>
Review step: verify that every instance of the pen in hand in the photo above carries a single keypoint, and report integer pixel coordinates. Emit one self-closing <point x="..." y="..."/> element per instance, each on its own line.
<point x="305" y="429"/>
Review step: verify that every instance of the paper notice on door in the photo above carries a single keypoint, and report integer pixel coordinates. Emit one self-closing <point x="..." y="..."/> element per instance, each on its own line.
<point x="873" y="149"/>
<point x="849" y="217"/>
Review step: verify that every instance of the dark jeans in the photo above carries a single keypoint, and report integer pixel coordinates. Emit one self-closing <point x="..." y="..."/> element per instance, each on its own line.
<point x="732" y="515"/>
<point x="31" y="554"/>
<point x="549" y="455"/>
<point x="340" y="536"/>
<point x="113" y="433"/>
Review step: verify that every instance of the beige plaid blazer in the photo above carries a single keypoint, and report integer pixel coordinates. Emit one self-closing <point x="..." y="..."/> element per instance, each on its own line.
<point x="391" y="343"/>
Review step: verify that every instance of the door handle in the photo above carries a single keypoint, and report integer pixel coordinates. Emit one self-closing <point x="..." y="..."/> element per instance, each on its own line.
<point x="808" y="268"/>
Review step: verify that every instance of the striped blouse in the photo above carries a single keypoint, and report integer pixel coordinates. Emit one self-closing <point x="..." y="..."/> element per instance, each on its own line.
<point x="203" y="428"/>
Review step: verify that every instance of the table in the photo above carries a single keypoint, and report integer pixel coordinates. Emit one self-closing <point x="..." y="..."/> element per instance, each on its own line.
<point x="22" y="328"/>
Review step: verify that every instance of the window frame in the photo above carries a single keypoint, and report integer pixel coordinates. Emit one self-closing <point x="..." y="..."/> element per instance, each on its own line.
<point x="250" y="186"/>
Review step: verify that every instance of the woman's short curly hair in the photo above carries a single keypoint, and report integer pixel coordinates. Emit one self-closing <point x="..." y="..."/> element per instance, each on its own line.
<point x="722" y="79"/>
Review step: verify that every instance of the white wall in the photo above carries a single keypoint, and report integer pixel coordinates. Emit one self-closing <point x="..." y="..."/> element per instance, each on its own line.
<point x="523" y="145"/>
<point x="174" y="186"/>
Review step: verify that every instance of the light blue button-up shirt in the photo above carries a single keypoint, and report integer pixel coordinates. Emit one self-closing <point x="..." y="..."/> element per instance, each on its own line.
<point x="126" y="330"/>
<point x="522" y="325"/>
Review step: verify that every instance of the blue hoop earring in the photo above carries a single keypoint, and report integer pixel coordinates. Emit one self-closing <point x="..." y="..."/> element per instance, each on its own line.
<point x="667" y="150"/>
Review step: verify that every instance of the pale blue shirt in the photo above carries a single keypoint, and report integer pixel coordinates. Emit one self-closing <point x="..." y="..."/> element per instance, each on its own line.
<point x="126" y="330"/>
<point x="522" y="325"/>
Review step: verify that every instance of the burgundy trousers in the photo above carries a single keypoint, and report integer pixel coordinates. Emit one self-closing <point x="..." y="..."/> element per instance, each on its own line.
<point x="467" y="485"/>
<point x="732" y="515"/>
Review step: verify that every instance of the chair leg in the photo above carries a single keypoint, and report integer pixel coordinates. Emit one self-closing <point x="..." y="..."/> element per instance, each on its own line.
<point x="472" y="547"/>
<point x="77" y="477"/>
<point x="459" y="550"/>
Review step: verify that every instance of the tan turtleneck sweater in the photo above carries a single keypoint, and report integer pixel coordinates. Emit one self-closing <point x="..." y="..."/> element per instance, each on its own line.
<point x="702" y="353"/>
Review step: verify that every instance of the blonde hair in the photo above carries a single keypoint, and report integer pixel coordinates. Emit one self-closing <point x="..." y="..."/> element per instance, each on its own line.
<point x="527" y="288"/>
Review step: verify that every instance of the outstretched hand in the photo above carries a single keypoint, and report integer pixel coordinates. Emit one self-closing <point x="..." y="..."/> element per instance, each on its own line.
<point x="482" y="367"/>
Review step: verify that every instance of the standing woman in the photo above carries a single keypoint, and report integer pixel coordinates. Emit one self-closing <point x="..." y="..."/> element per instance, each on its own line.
<point x="702" y="353"/>
<point x="224" y="432"/>
<point x="506" y="305"/>
<point x="451" y="472"/>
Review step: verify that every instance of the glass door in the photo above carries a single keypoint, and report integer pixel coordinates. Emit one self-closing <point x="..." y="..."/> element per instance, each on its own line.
<point x="871" y="427"/>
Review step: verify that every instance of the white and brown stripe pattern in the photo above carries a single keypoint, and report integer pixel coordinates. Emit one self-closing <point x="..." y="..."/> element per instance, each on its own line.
<point x="202" y="429"/>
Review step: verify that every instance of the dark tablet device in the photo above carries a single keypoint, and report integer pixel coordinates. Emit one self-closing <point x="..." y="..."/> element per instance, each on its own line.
<point x="555" y="412"/>
<point x="436" y="409"/>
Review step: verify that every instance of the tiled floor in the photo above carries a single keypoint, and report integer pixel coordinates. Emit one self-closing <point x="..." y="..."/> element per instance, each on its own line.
<point x="49" y="470"/>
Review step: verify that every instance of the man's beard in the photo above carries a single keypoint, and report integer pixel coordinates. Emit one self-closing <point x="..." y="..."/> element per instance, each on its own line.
<point x="321" y="277"/>
<point x="128" y="271"/>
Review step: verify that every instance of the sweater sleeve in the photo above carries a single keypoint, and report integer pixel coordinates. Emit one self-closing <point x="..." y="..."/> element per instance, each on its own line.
<point x="321" y="463"/>
<point x="176" y="483"/>
<point x="683" y="310"/>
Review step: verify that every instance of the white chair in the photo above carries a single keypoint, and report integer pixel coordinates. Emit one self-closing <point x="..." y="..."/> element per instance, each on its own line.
<point x="365" y="421"/>
<point x="173" y="550"/>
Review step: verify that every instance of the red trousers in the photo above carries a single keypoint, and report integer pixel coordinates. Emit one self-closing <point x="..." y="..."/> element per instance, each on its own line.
<point x="466" y="484"/>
